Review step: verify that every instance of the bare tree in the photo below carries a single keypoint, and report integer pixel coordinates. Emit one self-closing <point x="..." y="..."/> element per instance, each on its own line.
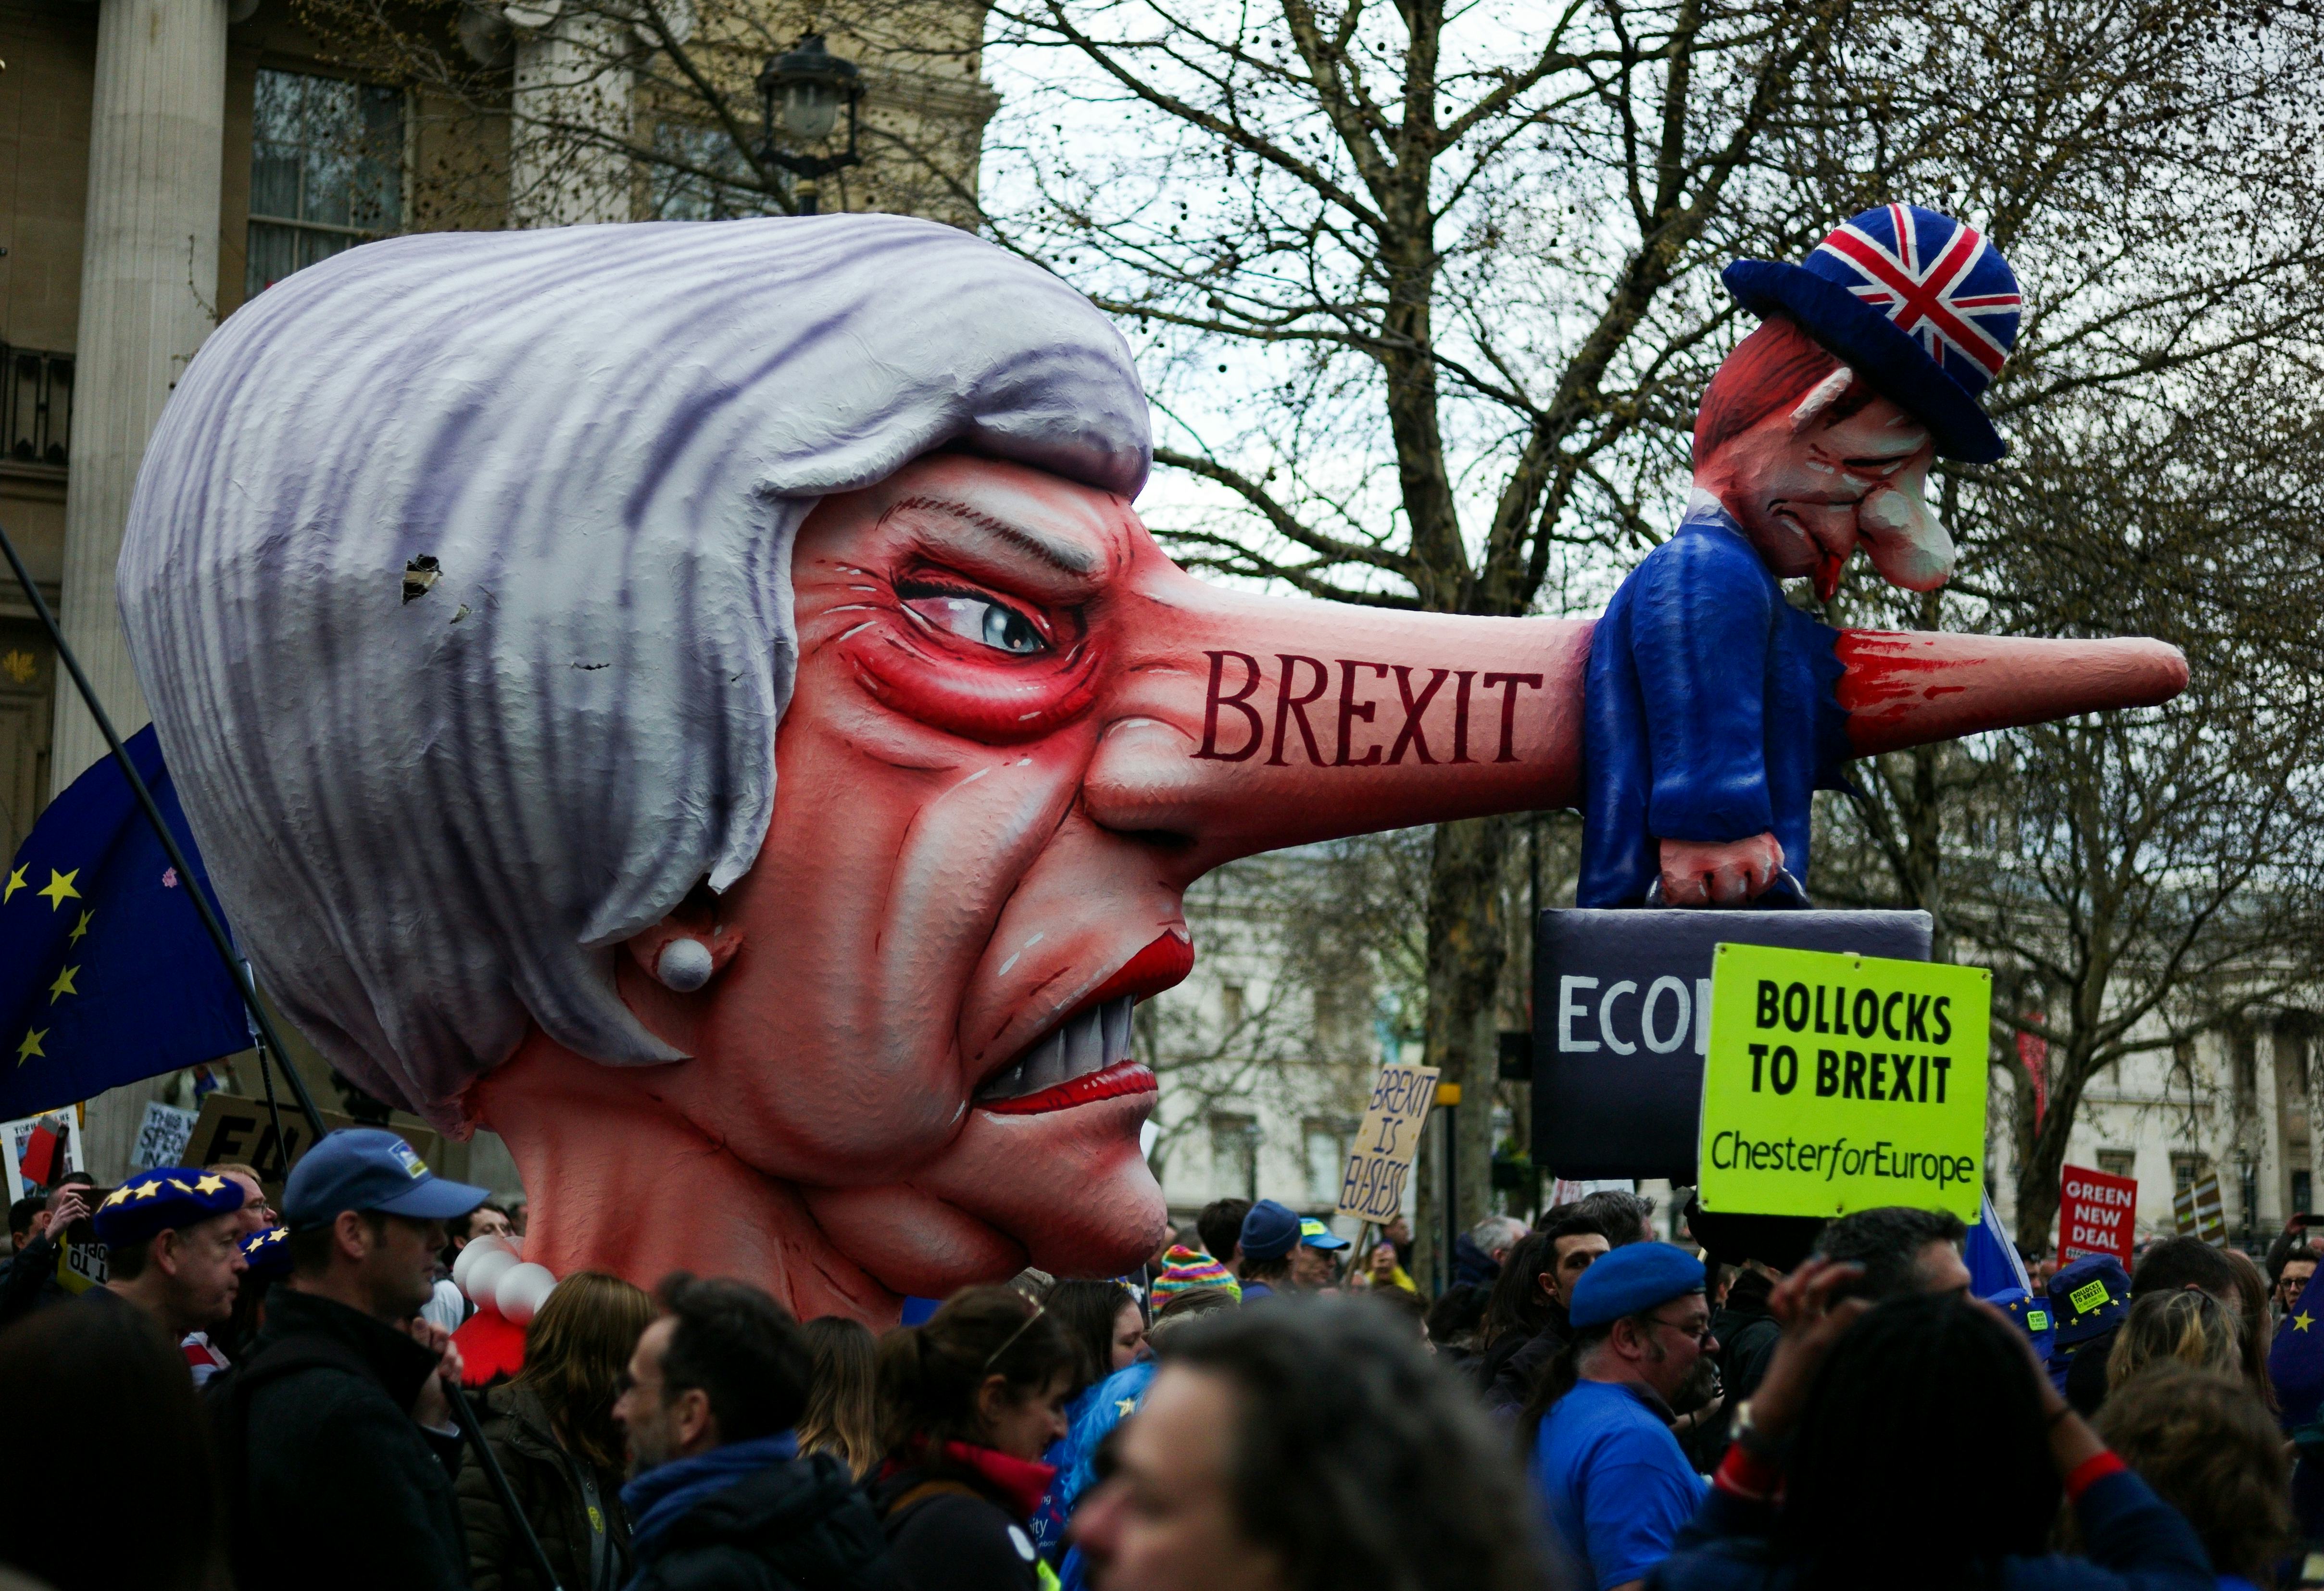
<point x="1457" y="265"/>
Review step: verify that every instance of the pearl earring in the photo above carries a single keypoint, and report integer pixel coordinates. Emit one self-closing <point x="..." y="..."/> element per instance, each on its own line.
<point x="684" y="965"/>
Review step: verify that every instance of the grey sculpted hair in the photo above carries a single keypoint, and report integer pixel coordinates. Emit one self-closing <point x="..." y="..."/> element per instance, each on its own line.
<point x="432" y="819"/>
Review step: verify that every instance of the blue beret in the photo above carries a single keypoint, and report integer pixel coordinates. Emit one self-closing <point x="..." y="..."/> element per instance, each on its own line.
<point x="1636" y="1276"/>
<point x="167" y="1196"/>
<point x="268" y="1254"/>
<point x="2031" y="1312"/>
<point x="2088" y="1299"/>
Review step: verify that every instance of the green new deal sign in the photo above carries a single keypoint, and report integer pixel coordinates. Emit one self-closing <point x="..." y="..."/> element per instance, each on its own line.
<point x="1836" y="1083"/>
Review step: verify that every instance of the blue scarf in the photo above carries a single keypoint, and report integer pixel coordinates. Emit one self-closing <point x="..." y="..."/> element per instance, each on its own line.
<point x="662" y="1495"/>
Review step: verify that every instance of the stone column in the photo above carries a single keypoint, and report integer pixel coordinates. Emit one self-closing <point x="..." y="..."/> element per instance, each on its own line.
<point x="148" y="296"/>
<point x="574" y="103"/>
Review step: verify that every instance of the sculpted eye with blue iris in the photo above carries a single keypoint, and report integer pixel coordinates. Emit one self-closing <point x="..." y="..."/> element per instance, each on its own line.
<point x="974" y="616"/>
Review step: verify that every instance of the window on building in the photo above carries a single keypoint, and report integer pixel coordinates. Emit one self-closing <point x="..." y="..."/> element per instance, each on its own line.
<point x="2186" y="1170"/>
<point x="701" y="176"/>
<point x="2119" y="1163"/>
<point x="1231" y="1006"/>
<point x="1326" y="1146"/>
<point x="326" y="171"/>
<point x="1234" y="1155"/>
<point x="2303" y="1192"/>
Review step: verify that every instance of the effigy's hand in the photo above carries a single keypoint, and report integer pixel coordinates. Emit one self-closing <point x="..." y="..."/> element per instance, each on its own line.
<point x="1698" y="872"/>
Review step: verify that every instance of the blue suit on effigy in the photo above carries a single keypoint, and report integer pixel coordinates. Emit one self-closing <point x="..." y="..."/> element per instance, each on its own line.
<point x="1709" y="711"/>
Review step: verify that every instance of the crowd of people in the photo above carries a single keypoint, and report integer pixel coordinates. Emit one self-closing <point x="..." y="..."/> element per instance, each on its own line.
<point x="258" y="1399"/>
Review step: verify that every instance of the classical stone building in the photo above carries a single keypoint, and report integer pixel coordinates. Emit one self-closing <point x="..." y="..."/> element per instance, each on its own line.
<point x="162" y="161"/>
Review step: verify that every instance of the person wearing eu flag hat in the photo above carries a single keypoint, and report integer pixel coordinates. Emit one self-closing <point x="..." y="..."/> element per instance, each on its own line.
<point x="169" y="1237"/>
<point x="1613" y="1482"/>
<point x="335" y="1434"/>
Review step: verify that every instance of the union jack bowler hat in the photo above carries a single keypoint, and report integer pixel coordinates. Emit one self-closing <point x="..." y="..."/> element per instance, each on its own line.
<point x="1921" y="306"/>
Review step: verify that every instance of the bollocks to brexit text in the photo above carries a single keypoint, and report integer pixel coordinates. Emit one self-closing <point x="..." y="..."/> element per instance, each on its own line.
<point x="1838" y="1082"/>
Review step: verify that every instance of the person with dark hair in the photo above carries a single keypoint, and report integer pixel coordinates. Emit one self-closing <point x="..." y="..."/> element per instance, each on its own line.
<point x="1612" y="1478"/>
<point x="843" y="1400"/>
<point x="24" y="1220"/>
<point x="552" y="1429"/>
<point x="172" y="1242"/>
<point x="1308" y="1447"/>
<point x="1270" y="1231"/>
<point x="1526" y="1319"/>
<point x="450" y="1308"/>
<point x="2210" y="1449"/>
<point x="1455" y="1322"/>
<point x="2290" y="1278"/>
<point x="1219" y="1227"/>
<point x="123" y="1491"/>
<point x="335" y="1436"/>
<point x="969" y="1402"/>
<point x="721" y="1500"/>
<point x="1899" y="1251"/>
<point x="1762" y="1249"/>
<point x="1105" y="1323"/>
<point x="1868" y="1413"/>
<point x="29" y="1281"/>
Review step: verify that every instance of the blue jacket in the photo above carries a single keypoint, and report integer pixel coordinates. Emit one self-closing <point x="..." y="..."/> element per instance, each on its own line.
<point x="2136" y="1542"/>
<point x="1708" y="711"/>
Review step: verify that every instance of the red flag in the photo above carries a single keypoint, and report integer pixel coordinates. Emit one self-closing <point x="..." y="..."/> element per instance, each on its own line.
<point x="38" y="1163"/>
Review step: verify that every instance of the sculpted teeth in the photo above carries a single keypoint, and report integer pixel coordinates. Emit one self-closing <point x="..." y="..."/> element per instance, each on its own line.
<point x="1089" y="1043"/>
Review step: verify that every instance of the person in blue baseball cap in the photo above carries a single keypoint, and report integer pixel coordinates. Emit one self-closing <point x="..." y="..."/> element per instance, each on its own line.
<point x="1611" y="1477"/>
<point x="336" y="1433"/>
<point x="1315" y="1262"/>
<point x="169" y="1237"/>
<point x="1270" y="1231"/>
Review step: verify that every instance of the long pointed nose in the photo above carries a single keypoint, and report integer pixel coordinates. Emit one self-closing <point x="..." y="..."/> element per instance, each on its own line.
<point x="1248" y="723"/>
<point x="1909" y="687"/>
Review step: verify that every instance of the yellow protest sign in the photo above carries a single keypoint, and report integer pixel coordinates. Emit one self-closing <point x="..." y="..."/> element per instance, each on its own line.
<point x="1836" y="1082"/>
<point x="1372" y="1188"/>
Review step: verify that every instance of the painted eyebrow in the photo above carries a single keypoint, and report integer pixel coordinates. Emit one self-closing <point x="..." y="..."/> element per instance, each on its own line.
<point x="1066" y="559"/>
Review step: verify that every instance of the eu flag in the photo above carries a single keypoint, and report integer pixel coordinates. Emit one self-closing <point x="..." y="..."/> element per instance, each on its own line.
<point x="106" y="975"/>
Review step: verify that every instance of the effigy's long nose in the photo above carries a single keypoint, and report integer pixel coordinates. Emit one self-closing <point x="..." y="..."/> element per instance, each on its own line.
<point x="1247" y="723"/>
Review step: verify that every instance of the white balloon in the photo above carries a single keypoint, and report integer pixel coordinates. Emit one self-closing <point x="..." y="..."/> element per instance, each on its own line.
<point x="465" y="1260"/>
<point x="485" y="1277"/>
<point x="524" y="1291"/>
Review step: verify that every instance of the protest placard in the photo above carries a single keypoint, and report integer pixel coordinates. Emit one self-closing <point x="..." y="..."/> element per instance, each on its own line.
<point x="39" y="1149"/>
<point x="231" y="1127"/>
<point x="161" y="1139"/>
<point x="1838" y="1082"/>
<point x="2197" y="1211"/>
<point x="2096" y="1214"/>
<point x="1372" y="1190"/>
<point x="1622" y="1022"/>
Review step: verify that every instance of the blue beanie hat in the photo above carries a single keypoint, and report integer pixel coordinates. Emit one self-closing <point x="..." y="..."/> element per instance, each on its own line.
<point x="1269" y="1231"/>
<point x="1636" y="1276"/>
<point x="2087" y="1299"/>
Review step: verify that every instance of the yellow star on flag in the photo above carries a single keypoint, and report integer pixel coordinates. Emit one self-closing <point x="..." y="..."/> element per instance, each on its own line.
<point x="146" y="1190"/>
<point x="114" y="1198"/>
<point x="63" y="986"/>
<point x="15" y="882"/>
<point x="80" y="927"/>
<point x="32" y="1046"/>
<point x="61" y="888"/>
<point x="2302" y="1320"/>
<point x="210" y="1184"/>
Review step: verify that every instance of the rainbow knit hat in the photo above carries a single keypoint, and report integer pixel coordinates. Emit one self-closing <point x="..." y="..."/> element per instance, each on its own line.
<point x="1188" y="1269"/>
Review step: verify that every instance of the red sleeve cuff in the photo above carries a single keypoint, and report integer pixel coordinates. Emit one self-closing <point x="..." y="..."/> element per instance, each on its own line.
<point x="1746" y="1475"/>
<point x="2089" y="1472"/>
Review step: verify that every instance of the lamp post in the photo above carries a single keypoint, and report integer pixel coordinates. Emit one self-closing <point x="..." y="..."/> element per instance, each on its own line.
<point x="801" y="91"/>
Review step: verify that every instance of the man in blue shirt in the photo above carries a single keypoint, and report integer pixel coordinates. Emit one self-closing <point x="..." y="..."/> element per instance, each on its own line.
<point x="1612" y="1480"/>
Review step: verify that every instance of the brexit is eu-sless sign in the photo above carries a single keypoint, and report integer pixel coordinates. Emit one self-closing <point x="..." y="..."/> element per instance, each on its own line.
<point x="1836" y="1083"/>
<point x="1621" y="1022"/>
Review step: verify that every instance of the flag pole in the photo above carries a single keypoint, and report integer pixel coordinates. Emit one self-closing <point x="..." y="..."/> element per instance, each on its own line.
<point x="235" y="970"/>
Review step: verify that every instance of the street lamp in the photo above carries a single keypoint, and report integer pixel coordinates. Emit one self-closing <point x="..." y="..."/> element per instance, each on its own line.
<point x="801" y="91"/>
